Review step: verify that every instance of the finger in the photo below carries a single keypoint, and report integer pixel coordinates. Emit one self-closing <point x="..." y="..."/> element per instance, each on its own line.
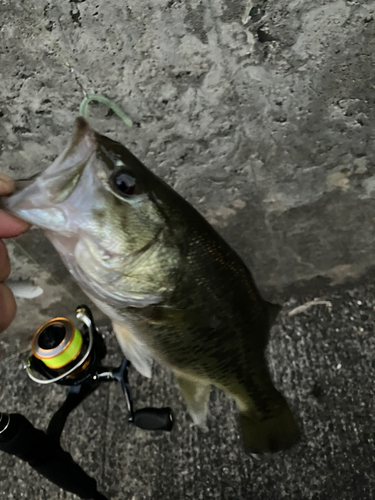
<point x="8" y="307"/>
<point x="11" y="226"/>
<point x="4" y="262"/>
<point x="6" y="185"/>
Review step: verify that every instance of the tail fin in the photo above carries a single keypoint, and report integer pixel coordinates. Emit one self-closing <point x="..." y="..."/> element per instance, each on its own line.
<point x="279" y="432"/>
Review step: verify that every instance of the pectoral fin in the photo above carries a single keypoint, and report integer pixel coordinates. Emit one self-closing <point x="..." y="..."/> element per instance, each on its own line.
<point x="136" y="352"/>
<point x="196" y="395"/>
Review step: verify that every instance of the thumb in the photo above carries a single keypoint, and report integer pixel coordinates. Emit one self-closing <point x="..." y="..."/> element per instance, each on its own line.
<point x="11" y="226"/>
<point x="6" y="185"/>
<point x="7" y="307"/>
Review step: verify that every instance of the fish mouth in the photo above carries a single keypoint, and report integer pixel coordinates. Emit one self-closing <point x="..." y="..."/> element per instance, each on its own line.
<point x="41" y="201"/>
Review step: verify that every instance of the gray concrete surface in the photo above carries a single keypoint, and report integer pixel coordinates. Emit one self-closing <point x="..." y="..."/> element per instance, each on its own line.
<point x="262" y="115"/>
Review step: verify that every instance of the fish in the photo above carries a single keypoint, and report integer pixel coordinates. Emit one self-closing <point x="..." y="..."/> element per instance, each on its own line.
<point x="174" y="289"/>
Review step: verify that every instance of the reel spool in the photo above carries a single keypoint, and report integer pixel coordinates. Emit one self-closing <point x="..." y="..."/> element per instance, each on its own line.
<point x="61" y="353"/>
<point x="58" y="343"/>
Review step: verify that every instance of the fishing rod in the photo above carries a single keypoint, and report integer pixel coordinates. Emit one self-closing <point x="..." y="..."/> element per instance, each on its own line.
<point x="70" y="356"/>
<point x="43" y="453"/>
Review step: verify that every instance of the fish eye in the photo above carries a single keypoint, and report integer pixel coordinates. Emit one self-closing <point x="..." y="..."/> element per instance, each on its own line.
<point x="124" y="183"/>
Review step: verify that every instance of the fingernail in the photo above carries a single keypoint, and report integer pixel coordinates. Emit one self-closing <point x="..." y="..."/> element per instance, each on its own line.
<point x="6" y="184"/>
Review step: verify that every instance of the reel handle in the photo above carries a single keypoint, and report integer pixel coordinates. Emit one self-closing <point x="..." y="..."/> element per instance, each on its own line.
<point x="154" y="419"/>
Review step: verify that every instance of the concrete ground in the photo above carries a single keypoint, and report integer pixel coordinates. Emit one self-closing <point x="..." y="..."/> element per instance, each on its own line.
<point x="322" y="359"/>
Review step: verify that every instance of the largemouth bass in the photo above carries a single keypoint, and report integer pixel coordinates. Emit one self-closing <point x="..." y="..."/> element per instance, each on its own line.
<point x="174" y="289"/>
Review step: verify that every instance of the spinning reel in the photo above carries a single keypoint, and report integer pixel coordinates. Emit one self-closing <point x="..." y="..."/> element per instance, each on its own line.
<point x="66" y="355"/>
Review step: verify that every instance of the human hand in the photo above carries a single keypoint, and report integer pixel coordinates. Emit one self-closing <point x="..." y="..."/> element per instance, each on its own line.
<point x="10" y="226"/>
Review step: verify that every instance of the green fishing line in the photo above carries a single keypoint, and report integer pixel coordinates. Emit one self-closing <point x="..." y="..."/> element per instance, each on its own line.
<point x="84" y="107"/>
